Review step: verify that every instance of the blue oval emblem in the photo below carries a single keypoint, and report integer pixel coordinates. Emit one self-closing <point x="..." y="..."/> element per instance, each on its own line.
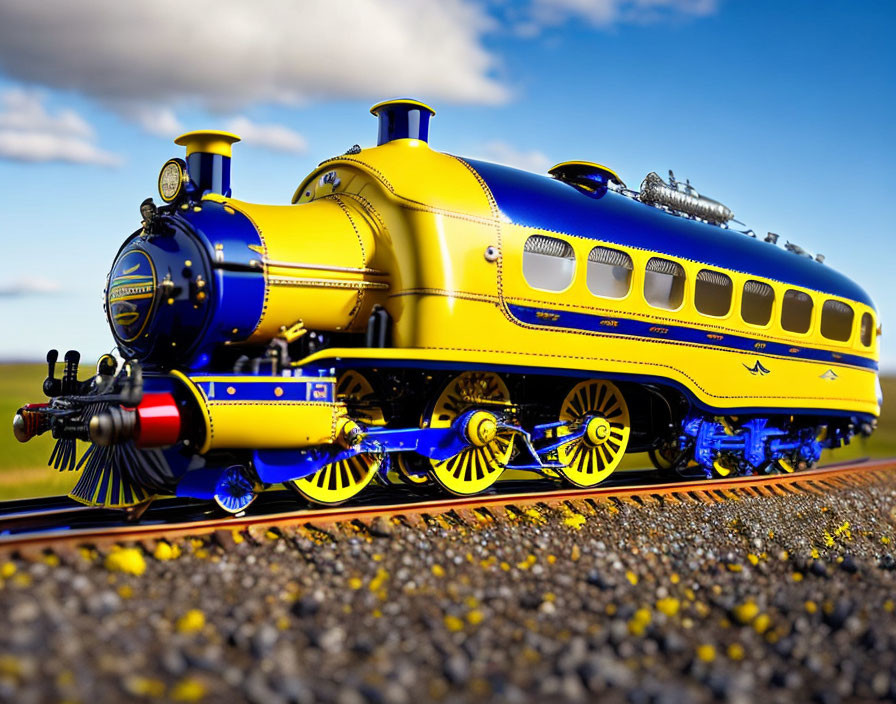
<point x="131" y="295"/>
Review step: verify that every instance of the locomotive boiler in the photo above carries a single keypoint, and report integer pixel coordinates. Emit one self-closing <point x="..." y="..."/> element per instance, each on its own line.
<point x="418" y="317"/>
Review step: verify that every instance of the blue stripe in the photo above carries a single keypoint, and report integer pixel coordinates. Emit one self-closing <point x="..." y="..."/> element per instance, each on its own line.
<point x="627" y="327"/>
<point x="320" y="391"/>
<point x="544" y="203"/>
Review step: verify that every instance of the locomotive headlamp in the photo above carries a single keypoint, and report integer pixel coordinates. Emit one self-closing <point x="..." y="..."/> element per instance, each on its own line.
<point x="172" y="179"/>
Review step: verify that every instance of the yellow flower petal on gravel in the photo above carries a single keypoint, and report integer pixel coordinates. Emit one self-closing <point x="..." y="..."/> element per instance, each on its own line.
<point x="438" y="570"/>
<point x="668" y="606"/>
<point x="745" y="613"/>
<point x="576" y="521"/>
<point x="736" y="651"/>
<point x="191" y="622"/>
<point x="638" y="623"/>
<point x="188" y="689"/>
<point x="8" y="570"/>
<point x="631" y="577"/>
<point x="706" y="653"/>
<point x="166" y="551"/>
<point x="762" y="623"/>
<point x="453" y="623"/>
<point x="127" y="560"/>
<point x="379" y="580"/>
<point x="145" y="687"/>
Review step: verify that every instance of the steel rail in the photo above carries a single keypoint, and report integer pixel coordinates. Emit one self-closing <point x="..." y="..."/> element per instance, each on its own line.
<point x="821" y="480"/>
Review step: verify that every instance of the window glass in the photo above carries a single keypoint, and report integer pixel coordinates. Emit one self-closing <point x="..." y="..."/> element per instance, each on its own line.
<point x="867" y="329"/>
<point x="796" y="311"/>
<point x="609" y="272"/>
<point x="712" y="293"/>
<point x="836" y="320"/>
<point x="664" y="283"/>
<point x="756" y="304"/>
<point x="548" y="263"/>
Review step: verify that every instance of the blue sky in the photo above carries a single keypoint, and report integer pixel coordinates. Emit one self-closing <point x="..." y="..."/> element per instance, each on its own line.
<point x="783" y="111"/>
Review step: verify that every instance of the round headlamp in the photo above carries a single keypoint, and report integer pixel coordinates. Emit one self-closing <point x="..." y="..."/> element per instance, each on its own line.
<point x="172" y="179"/>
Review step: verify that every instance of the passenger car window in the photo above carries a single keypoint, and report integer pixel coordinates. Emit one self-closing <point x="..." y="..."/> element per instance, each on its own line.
<point x="756" y="304"/>
<point x="548" y="263"/>
<point x="836" y="320"/>
<point x="796" y="311"/>
<point x="664" y="283"/>
<point x="712" y="293"/>
<point x="609" y="272"/>
<point x="866" y="333"/>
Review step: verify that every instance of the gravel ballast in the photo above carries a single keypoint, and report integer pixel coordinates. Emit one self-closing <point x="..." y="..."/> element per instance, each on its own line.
<point x="787" y="598"/>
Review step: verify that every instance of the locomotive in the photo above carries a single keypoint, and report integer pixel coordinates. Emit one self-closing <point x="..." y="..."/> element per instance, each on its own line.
<point x="420" y="318"/>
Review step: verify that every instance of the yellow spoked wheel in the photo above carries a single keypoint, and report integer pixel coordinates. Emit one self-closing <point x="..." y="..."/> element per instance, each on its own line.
<point x="340" y="481"/>
<point x="477" y="467"/>
<point x="600" y="407"/>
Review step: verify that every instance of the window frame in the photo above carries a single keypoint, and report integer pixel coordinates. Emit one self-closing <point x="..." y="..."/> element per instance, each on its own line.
<point x="852" y="322"/>
<point x="872" y="331"/>
<point x="684" y="283"/>
<point x="632" y="270"/>
<point x="774" y="313"/>
<point x="574" y="258"/>
<point x="731" y="296"/>
<point x="813" y="315"/>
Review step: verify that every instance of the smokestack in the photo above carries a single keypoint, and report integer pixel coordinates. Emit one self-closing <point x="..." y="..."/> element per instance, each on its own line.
<point x="208" y="159"/>
<point x="402" y="118"/>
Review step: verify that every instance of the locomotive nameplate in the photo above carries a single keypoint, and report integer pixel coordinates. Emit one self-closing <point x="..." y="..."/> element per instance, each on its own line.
<point x="131" y="295"/>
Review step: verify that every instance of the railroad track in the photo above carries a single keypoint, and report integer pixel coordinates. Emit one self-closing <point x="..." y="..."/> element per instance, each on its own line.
<point x="58" y="521"/>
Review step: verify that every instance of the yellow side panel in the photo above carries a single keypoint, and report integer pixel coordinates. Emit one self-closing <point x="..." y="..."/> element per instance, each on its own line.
<point x="270" y="424"/>
<point x="249" y="423"/>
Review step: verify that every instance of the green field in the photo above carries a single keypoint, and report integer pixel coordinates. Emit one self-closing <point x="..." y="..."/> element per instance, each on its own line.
<point x="23" y="470"/>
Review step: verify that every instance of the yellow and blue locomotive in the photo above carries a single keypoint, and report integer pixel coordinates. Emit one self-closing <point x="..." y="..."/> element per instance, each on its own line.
<point x="418" y="317"/>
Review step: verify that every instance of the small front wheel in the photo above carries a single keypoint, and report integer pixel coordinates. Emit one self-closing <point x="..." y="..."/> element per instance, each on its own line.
<point x="234" y="492"/>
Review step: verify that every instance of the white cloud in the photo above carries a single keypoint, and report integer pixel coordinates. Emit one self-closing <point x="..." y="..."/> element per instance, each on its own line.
<point x="504" y="153"/>
<point x="268" y="136"/>
<point x="24" y="111"/>
<point x="28" y="132"/>
<point x="158" y="121"/>
<point x="606" y="13"/>
<point x="229" y="55"/>
<point x="28" y="287"/>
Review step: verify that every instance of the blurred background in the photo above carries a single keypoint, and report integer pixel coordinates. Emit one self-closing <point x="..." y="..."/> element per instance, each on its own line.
<point x="783" y="111"/>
